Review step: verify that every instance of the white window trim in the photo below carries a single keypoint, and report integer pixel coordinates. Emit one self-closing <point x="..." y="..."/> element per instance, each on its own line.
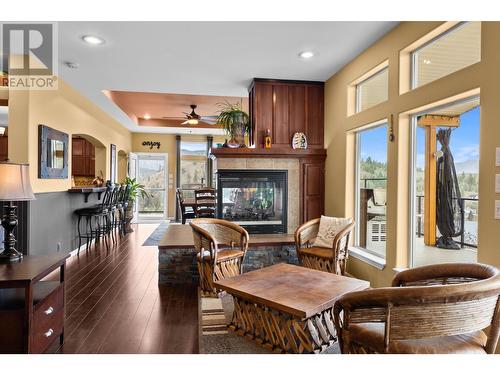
<point x="365" y="256"/>
<point x="358" y="252"/>
<point x="357" y="103"/>
<point x="414" y="65"/>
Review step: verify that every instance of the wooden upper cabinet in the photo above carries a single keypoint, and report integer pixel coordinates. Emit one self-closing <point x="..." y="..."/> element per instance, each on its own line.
<point x="78" y="146"/>
<point x="286" y="107"/>
<point x="4" y="148"/>
<point x="83" y="157"/>
<point x="315" y="116"/>
<point x="280" y="126"/>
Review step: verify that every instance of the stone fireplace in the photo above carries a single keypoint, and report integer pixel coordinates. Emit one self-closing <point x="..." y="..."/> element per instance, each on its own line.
<point x="268" y="193"/>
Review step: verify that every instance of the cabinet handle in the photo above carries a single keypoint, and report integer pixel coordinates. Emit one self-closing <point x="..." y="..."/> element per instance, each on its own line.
<point x="49" y="311"/>
<point x="49" y="333"/>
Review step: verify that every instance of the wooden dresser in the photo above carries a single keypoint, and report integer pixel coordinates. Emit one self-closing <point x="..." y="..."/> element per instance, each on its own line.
<point x="31" y="309"/>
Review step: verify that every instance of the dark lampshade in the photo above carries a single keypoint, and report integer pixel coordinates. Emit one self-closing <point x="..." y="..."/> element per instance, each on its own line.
<point x="15" y="182"/>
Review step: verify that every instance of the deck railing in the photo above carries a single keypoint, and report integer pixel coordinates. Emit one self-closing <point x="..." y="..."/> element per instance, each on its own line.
<point x="365" y="183"/>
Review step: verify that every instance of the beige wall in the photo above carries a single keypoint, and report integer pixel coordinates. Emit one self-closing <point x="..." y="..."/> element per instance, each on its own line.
<point x="65" y="110"/>
<point x="168" y="146"/>
<point x="339" y="140"/>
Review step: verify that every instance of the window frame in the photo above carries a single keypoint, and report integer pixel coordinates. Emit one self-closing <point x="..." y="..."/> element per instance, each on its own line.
<point x="369" y="256"/>
<point x="357" y="104"/>
<point x="413" y="54"/>
<point x="413" y="164"/>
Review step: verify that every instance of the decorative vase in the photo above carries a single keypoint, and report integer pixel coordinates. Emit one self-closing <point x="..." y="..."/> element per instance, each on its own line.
<point x="238" y="133"/>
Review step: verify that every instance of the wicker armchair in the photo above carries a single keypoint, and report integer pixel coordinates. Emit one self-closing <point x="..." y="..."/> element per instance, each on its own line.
<point x="441" y="308"/>
<point x="221" y="247"/>
<point x="319" y="258"/>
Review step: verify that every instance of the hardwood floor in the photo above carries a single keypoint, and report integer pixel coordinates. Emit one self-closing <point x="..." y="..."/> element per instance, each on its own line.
<point x="115" y="305"/>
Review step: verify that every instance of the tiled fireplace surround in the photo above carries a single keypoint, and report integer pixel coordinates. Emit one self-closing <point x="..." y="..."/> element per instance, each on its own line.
<point x="178" y="266"/>
<point x="290" y="165"/>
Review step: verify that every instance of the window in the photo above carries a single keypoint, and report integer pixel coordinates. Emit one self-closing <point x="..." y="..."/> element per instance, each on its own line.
<point x="458" y="210"/>
<point x="193" y="165"/>
<point x="372" y="90"/>
<point x="457" y="48"/>
<point x="371" y="190"/>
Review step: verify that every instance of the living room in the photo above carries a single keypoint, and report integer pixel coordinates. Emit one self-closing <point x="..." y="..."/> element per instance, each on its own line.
<point x="317" y="192"/>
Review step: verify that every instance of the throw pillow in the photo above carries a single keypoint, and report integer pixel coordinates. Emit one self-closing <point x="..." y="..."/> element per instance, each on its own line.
<point x="328" y="229"/>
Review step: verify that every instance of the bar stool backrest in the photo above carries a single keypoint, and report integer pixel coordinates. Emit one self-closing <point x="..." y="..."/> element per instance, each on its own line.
<point x="115" y="196"/>
<point x="126" y="195"/>
<point x="108" y="196"/>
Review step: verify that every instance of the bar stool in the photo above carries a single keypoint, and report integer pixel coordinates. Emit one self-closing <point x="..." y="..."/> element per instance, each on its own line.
<point x="113" y="210"/>
<point x="96" y="220"/>
<point x="122" y="208"/>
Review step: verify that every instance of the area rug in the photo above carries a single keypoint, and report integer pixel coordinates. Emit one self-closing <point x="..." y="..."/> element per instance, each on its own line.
<point x="215" y="338"/>
<point x="155" y="237"/>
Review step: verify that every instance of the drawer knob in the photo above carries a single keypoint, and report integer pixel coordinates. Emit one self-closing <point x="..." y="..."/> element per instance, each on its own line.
<point x="49" y="333"/>
<point x="49" y="311"/>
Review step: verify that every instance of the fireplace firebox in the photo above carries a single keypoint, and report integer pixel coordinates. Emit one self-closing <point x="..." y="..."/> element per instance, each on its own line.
<point x="254" y="199"/>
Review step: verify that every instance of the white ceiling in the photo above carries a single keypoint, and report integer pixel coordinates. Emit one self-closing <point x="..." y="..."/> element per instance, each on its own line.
<point x="204" y="58"/>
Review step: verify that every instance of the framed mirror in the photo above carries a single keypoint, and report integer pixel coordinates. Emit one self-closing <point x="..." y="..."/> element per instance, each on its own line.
<point x="52" y="153"/>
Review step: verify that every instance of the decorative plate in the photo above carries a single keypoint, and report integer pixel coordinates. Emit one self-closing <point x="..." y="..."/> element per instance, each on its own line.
<point x="299" y="140"/>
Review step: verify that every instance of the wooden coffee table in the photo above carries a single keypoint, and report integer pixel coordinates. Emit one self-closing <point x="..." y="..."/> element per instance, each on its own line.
<point x="288" y="308"/>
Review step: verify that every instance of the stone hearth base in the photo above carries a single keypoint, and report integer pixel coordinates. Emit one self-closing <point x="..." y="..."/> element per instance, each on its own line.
<point x="178" y="266"/>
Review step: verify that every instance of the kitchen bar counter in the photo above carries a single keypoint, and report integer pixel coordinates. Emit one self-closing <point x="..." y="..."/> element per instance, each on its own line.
<point x="87" y="190"/>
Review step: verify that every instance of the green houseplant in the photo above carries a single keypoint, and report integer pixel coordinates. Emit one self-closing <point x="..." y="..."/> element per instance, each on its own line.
<point x="136" y="190"/>
<point x="235" y="122"/>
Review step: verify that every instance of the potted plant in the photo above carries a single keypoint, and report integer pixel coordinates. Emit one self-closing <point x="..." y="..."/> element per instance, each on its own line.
<point x="136" y="190"/>
<point x="235" y="122"/>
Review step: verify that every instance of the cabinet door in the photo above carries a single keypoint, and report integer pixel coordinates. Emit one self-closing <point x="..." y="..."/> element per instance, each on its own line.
<point x="314" y="116"/>
<point x="90" y="167"/>
<point x="4" y="148"/>
<point x="78" y="165"/>
<point x="78" y="147"/>
<point x="280" y="133"/>
<point x="313" y="178"/>
<point x="89" y="149"/>
<point x="262" y="111"/>
<point x="296" y="110"/>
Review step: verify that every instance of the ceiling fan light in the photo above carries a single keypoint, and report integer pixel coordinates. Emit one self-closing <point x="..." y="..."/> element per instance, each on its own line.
<point x="192" y="121"/>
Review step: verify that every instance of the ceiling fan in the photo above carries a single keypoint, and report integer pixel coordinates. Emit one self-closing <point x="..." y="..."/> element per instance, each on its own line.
<point x="193" y="118"/>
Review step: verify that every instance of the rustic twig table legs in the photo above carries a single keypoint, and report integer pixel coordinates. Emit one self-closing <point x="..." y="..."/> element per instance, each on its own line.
<point x="282" y="332"/>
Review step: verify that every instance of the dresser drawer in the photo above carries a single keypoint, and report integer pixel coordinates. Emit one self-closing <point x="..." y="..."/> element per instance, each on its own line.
<point x="48" y="321"/>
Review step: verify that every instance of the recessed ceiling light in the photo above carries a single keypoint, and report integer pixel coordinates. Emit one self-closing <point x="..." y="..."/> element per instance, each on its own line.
<point x="427" y="62"/>
<point x="92" y="39"/>
<point x="306" y="54"/>
<point x="147" y="116"/>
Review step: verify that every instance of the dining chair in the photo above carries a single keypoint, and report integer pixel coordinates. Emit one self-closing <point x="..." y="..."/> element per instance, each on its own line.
<point x="205" y="201"/>
<point x="186" y="212"/>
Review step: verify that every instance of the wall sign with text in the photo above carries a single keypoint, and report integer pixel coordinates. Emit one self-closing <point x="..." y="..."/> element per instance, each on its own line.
<point x="152" y="144"/>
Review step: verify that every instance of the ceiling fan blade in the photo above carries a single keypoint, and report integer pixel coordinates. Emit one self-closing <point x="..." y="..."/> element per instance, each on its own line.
<point x="173" y="118"/>
<point x="209" y="120"/>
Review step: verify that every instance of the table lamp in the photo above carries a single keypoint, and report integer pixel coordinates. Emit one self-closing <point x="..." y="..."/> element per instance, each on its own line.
<point x="14" y="186"/>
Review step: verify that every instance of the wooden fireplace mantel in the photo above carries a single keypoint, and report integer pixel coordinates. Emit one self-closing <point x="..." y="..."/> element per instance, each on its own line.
<point x="248" y="152"/>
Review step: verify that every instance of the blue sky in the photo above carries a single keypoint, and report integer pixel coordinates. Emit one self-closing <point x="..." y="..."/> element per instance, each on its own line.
<point x="373" y="143"/>
<point x="464" y="141"/>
